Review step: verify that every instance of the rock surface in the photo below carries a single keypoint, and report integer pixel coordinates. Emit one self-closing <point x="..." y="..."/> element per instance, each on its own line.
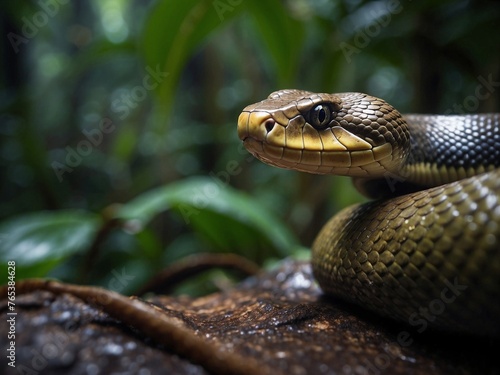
<point x="279" y="318"/>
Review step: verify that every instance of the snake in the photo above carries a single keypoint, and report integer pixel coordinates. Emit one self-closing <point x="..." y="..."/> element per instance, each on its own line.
<point x="425" y="250"/>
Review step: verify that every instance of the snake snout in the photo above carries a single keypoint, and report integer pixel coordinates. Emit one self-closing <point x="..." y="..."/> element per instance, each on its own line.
<point x="255" y="124"/>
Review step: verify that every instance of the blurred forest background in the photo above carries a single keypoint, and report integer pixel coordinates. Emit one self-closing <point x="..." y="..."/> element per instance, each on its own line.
<point x="119" y="153"/>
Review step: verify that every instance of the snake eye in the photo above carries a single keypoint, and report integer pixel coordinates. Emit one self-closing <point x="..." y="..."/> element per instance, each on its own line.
<point x="320" y="116"/>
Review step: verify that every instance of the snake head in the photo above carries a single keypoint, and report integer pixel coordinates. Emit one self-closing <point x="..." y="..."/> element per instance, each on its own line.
<point x="350" y="134"/>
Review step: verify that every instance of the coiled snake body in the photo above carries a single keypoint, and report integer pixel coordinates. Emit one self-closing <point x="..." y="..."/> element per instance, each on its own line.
<point x="430" y="254"/>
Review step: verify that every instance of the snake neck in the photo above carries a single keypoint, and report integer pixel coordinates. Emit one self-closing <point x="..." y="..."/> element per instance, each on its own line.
<point x="449" y="148"/>
<point x="443" y="149"/>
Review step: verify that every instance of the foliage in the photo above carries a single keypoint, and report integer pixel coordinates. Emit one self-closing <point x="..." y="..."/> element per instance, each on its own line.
<point x="119" y="151"/>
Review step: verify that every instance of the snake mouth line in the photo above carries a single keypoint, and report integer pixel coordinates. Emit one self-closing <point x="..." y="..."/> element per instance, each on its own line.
<point x="351" y="163"/>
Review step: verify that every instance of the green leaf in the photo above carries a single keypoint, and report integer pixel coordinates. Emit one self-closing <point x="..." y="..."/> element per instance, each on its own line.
<point x="39" y="241"/>
<point x="172" y="33"/>
<point x="175" y="29"/>
<point x="229" y="220"/>
<point x="282" y="35"/>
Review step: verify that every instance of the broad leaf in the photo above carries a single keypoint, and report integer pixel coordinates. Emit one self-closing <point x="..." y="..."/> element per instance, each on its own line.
<point x="39" y="241"/>
<point x="282" y="35"/>
<point x="172" y="33"/>
<point x="176" y="29"/>
<point x="228" y="219"/>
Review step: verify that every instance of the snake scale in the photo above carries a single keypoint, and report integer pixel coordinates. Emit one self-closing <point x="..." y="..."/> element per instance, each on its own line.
<point x="426" y="251"/>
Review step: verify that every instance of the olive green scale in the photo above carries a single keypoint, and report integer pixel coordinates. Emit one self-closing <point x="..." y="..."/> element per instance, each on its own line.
<point x="437" y="250"/>
<point x="430" y="258"/>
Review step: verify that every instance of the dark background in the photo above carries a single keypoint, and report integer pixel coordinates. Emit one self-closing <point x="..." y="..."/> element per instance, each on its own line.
<point x="119" y="153"/>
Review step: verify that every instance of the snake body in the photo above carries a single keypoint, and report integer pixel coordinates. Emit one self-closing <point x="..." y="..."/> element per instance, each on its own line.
<point x="427" y="252"/>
